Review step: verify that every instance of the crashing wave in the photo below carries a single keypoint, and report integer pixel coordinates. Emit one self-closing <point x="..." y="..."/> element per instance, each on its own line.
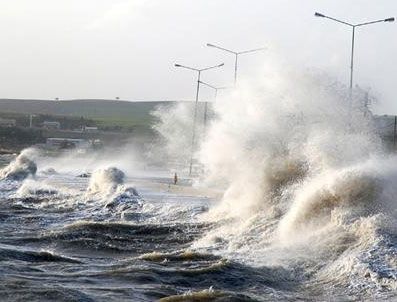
<point x="107" y="184"/>
<point x="32" y="188"/>
<point x="123" y="198"/>
<point x="22" y="167"/>
<point x="105" y="181"/>
<point x="307" y="183"/>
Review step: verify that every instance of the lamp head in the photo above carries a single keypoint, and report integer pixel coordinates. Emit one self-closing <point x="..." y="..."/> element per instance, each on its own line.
<point x="389" y="19"/>
<point x="319" y="15"/>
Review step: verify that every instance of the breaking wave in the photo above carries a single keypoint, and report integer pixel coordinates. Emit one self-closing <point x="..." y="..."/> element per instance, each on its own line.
<point x="116" y="237"/>
<point x="10" y="253"/>
<point x="105" y="181"/>
<point x="307" y="209"/>
<point x="307" y="184"/>
<point x="107" y="184"/>
<point x="32" y="188"/>
<point x="22" y="167"/>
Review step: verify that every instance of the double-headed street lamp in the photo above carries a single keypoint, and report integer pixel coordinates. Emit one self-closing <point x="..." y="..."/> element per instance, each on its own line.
<point x="353" y="27"/>
<point x="196" y="105"/>
<point x="216" y="89"/>
<point x="236" y="54"/>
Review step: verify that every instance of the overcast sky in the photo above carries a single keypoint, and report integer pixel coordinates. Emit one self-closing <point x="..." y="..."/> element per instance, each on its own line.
<point x="127" y="48"/>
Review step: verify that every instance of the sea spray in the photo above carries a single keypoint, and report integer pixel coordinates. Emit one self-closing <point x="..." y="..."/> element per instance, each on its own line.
<point x="21" y="167"/>
<point x="34" y="188"/>
<point x="107" y="187"/>
<point x="174" y="128"/>
<point x="105" y="181"/>
<point x="304" y="176"/>
<point x="272" y="136"/>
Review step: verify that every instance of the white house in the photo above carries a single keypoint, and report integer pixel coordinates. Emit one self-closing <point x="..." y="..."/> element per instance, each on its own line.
<point x="51" y="125"/>
<point x="4" y="122"/>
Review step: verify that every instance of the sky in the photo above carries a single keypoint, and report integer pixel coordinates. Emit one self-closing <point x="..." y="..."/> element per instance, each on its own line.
<point x="70" y="49"/>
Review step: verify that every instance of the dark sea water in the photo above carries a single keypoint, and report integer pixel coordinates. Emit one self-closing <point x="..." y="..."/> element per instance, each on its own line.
<point x="59" y="245"/>
<point x="139" y="243"/>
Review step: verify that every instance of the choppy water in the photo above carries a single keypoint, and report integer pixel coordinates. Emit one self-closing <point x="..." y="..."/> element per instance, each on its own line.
<point x="138" y="242"/>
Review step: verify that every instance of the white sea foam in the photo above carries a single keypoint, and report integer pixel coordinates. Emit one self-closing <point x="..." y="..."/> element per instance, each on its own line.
<point x="21" y="167"/>
<point x="306" y="179"/>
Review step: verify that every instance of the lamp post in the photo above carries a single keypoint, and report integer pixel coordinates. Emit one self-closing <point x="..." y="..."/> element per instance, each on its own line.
<point x="216" y="89"/>
<point x="31" y="116"/>
<point x="195" y="106"/>
<point x="353" y="27"/>
<point x="236" y="54"/>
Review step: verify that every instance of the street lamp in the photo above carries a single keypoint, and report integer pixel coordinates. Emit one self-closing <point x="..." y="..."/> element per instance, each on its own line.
<point x="353" y="26"/>
<point x="214" y="87"/>
<point x="31" y="116"/>
<point x="236" y="54"/>
<point x="216" y="95"/>
<point x="196" y="104"/>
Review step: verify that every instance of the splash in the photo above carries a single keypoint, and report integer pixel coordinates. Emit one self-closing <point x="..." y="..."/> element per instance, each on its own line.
<point x="174" y="128"/>
<point x="22" y="167"/>
<point x="105" y="181"/>
<point x="33" y="188"/>
<point x="304" y="176"/>
<point x="270" y="137"/>
<point x="107" y="186"/>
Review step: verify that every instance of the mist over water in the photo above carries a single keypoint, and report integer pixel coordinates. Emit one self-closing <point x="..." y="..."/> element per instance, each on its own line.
<point x="307" y="185"/>
<point x="293" y="198"/>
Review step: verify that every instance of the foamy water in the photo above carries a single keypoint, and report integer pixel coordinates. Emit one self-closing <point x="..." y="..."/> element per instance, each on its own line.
<point x="309" y="192"/>
<point x="303" y="209"/>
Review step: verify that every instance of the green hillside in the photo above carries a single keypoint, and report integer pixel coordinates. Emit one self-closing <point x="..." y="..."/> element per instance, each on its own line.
<point x="106" y="112"/>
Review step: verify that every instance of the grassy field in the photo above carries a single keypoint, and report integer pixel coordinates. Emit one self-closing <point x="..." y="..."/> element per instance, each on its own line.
<point x="107" y="113"/>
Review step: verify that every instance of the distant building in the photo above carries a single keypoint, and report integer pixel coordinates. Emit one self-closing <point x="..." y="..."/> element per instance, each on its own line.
<point x="4" y="122"/>
<point x="90" y="129"/>
<point x="66" y="143"/>
<point x="51" y="125"/>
